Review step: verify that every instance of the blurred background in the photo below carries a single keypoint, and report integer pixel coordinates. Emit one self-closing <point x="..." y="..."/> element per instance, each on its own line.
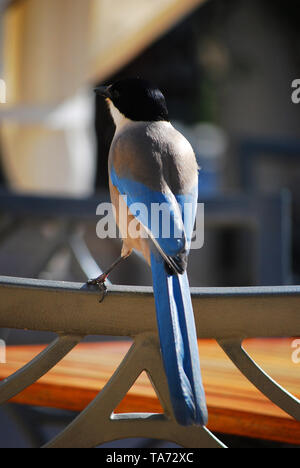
<point x="226" y="68"/>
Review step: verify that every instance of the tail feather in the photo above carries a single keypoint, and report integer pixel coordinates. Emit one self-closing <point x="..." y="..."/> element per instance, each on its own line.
<point x="178" y="340"/>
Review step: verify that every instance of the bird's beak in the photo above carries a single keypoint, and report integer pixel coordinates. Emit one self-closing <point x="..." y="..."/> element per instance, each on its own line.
<point x="103" y="91"/>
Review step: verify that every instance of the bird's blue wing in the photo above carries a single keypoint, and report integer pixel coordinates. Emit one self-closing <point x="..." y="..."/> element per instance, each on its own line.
<point x="160" y="213"/>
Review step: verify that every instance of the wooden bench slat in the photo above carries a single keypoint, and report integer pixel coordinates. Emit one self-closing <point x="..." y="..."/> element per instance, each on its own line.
<point x="235" y="406"/>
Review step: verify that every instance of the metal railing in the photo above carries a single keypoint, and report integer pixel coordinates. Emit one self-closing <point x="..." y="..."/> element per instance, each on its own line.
<point x="72" y="311"/>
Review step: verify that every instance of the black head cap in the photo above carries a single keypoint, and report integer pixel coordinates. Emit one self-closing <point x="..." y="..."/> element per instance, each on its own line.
<point x="137" y="99"/>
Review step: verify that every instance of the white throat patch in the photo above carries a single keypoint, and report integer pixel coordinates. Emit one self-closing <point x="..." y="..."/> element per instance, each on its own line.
<point x="118" y="118"/>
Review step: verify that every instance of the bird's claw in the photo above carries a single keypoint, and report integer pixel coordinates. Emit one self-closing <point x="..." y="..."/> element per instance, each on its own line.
<point x="103" y="289"/>
<point x="97" y="281"/>
<point x="100" y="282"/>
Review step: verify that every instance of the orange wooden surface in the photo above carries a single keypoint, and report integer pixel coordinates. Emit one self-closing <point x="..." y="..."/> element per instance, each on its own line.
<point x="235" y="406"/>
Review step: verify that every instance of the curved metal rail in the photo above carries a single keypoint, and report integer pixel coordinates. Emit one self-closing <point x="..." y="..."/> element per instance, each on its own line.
<point x="72" y="311"/>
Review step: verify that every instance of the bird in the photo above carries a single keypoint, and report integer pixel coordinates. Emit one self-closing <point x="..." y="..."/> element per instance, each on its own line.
<point x="151" y="164"/>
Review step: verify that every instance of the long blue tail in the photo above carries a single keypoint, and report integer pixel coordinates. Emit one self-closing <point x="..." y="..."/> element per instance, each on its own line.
<point x="178" y="341"/>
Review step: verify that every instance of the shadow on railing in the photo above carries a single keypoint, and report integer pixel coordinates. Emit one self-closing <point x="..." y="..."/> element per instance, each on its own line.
<point x="72" y="311"/>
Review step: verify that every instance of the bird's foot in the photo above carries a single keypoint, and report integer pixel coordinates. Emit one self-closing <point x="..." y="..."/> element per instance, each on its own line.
<point x="100" y="282"/>
<point x="97" y="281"/>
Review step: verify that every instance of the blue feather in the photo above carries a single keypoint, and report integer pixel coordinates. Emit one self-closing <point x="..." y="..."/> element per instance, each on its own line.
<point x="178" y="340"/>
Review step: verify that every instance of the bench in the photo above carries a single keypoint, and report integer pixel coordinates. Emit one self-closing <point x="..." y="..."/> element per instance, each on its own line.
<point x="235" y="406"/>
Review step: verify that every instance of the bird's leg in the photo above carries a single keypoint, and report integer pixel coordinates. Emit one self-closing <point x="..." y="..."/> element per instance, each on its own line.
<point x="103" y="277"/>
<point x="100" y="281"/>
